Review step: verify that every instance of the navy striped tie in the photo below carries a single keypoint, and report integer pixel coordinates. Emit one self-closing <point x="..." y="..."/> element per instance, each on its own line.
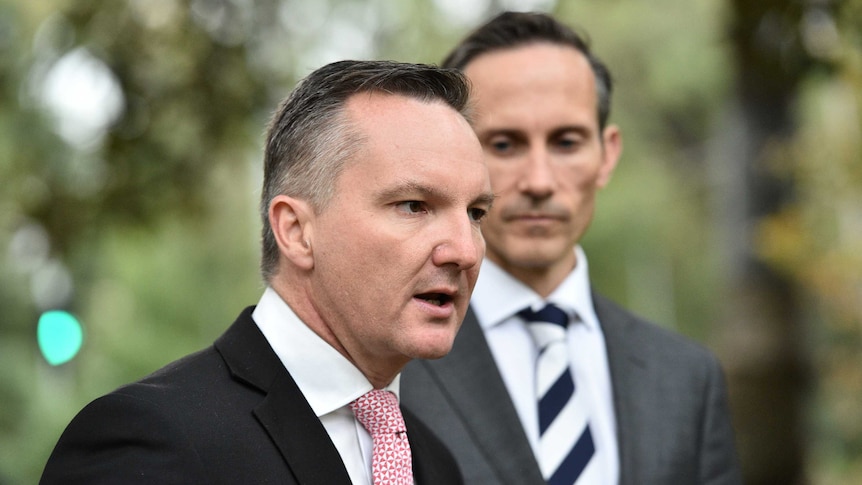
<point x="565" y="440"/>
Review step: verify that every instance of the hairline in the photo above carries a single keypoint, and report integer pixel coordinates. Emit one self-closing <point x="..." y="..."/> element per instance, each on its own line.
<point x="484" y="41"/>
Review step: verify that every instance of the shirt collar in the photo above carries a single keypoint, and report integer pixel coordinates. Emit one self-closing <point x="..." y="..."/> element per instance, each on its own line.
<point x="326" y="378"/>
<point x="498" y="295"/>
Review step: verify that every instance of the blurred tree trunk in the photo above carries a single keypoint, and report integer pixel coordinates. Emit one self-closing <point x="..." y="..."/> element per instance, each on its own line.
<point x="760" y="341"/>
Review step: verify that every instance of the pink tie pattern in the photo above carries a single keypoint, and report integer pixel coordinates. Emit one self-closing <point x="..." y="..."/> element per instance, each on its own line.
<point x="391" y="461"/>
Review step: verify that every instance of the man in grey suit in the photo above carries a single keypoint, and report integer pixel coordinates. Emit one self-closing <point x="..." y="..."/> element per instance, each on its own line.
<point x="633" y="403"/>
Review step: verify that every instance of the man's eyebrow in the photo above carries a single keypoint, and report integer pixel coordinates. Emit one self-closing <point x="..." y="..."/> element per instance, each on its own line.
<point x="520" y="134"/>
<point x="407" y="189"/>
<point x="579" y="129"/>
<point x="492" y="131"/>
<point x="486" y="198"/>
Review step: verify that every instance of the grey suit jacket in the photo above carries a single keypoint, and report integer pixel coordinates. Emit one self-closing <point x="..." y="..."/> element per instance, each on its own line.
<point x="228" y="414"/>
<point x="673" y="424"/>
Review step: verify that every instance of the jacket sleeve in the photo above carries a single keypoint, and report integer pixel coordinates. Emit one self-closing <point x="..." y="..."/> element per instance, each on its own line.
<point x="719" y="464"/>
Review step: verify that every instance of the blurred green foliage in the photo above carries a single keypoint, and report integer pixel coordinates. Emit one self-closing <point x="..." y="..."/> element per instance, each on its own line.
<point x="145" y="225"/>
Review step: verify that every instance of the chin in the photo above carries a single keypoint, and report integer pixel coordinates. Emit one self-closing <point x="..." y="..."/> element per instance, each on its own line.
<point x="531" y="252"/>
<point x="434" y="348"/>
<point x="434" y="355"/>
<point x="542" y="256"/>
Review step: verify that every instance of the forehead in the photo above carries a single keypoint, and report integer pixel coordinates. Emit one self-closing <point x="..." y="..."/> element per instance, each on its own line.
<point x="407" y="141"/>
<point x="386" y="118"/>
<point x="539" y="82"/>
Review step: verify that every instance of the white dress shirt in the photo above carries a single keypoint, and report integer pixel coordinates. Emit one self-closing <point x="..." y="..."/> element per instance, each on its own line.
<point x="326" y="378"/>
<point x="496" y="300"/>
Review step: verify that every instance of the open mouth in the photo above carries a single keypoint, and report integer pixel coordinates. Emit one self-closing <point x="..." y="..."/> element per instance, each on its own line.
<point x="438" y="299"/>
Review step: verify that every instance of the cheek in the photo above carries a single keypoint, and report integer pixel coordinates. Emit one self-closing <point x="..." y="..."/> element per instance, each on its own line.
<point x="585" y="176"/>
<point x="577" y="183"/>
<point x="503" y="176"/>
<point x="479" y="241"/>
<point x="473" y="274"/>
<point x="344" y="258"/>
<point x="379" y="263"/>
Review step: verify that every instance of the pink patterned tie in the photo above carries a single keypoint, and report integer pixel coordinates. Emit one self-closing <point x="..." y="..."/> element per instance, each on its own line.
<point x="391" y="463"/>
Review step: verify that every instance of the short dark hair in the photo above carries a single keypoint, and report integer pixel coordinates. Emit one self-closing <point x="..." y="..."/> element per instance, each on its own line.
<point x="309" y="140"/>
<point x="515" y="29"/>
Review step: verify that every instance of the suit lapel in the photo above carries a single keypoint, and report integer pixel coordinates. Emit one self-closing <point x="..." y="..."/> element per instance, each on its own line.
<point x="283" y="412"/>
<point x="433" y="463"/>
<point x="489" y="415"/>
<point x="631" y="388"/>
<point x="299" y="435"/>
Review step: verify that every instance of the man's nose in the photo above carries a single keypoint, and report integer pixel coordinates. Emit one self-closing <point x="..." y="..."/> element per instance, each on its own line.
<point x="537" y="177"/>
<point x="461" y="245"/>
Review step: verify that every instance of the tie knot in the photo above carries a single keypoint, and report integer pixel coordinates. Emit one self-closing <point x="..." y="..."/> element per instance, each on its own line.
<point x="379" y="413"/>
<point x="550" y="313"/>
<point x="547" y="325"/>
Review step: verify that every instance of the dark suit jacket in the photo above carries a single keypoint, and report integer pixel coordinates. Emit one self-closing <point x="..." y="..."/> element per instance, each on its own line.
<point x="673" y="424"/>
<point x="229" y="414"/>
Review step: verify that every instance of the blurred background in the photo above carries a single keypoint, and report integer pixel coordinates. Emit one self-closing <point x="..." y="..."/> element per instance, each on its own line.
<point x="130" y="165"/>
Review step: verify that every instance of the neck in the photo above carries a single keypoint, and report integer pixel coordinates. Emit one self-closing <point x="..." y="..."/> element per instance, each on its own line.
<point x="380" y="372"/>
<point x="541" y="279"/>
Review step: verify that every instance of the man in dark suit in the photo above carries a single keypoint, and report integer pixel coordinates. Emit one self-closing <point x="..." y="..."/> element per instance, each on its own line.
<point x="374" y="187"/>
<point x="606" y="397"/>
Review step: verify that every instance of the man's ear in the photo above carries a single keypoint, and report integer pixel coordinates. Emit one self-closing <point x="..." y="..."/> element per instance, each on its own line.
<point x="291" y="220"/>
<point x="612" y="148"/>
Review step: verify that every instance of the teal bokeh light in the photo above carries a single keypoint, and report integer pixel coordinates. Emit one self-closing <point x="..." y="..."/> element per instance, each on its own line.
<point x="60" y="336"/>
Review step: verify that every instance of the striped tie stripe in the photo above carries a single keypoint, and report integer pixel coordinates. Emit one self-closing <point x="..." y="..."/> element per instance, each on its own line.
<point x="575" y="461"/>
<point x="566" y="443"/>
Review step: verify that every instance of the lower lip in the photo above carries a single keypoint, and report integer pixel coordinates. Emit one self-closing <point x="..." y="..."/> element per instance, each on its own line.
<point x="443" y="311"/>
<point x="529" y="225"/>
<point x="536" y="219"/>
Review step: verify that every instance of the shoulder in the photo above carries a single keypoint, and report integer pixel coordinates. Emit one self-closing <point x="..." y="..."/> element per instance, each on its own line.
<point x="667" y="384"/>
<point x="151" y="430"/>
<point x="167" y="391"/>
<point x="135" y="434"/>
<point x="640" y="339"/>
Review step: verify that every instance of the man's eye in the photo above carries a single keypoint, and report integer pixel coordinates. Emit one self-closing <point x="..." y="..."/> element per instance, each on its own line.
<point x="412" y="206"/>
<point x="568" y="143"/>
<point x="501" y="145"/>
<point x="477" y="214"/>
